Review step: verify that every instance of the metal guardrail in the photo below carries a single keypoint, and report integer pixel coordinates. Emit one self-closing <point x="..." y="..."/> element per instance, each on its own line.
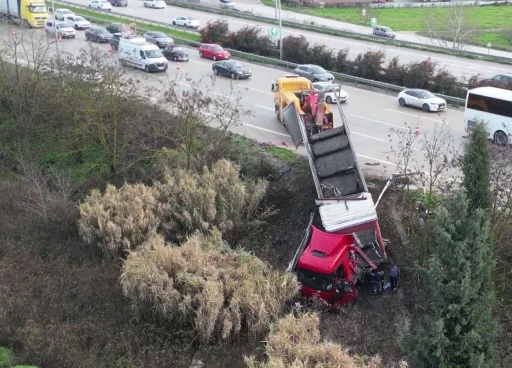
<point x="271" y="61"/>
<point x="339" y="32"/>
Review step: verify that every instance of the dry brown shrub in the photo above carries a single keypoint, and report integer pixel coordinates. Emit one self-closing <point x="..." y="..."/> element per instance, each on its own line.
<point x="215" y="198"/>
<point x="296" y="343"/>
<point x="120" y="219"/>
<point x="221" y="292"/>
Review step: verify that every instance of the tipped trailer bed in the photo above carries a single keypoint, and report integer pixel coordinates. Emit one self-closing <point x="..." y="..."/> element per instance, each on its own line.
<point x="344" y="203"/>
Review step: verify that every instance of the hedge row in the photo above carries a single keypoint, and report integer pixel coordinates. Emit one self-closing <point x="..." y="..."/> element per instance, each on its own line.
<point x="370" y="65"/>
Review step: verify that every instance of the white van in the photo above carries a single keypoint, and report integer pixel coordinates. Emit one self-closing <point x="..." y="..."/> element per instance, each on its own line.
<point x="140" y="54"/>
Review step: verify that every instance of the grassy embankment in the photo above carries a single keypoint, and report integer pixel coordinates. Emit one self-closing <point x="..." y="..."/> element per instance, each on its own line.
<point x="493" y="21"/>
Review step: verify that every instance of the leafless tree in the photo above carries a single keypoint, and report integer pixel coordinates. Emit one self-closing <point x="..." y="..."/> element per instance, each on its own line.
<point x="501" y="190"/>
<point x="440" y="156"/>
<point x="22" y="66"/>
<point x="197" y="110"/>
<point x="454" y="30"/>
<point x="401" y="141"/>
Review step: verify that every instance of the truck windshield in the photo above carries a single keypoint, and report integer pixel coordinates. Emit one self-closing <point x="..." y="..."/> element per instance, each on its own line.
<point x="37" y="8"/>
<point x="313" y="280"/>
<point x="153" y="54"/>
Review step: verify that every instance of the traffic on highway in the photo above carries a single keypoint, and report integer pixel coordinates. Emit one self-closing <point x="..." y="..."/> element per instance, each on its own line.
<point x="372" y="115"/>
<point x="458" y="66"/>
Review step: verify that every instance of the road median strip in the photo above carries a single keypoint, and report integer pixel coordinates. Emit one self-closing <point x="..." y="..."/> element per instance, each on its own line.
<point x="340" y="33"/>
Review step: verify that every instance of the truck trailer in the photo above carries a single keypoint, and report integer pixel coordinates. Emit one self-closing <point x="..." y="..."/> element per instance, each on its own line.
<point x="27" y="13"/>
<point x="347" y="243"/>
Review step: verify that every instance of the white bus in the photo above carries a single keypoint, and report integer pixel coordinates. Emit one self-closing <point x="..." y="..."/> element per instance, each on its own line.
<point x="492" y="107"/>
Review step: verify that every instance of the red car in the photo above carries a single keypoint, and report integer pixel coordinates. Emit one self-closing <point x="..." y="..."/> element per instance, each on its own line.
<point x="213" y="51"/>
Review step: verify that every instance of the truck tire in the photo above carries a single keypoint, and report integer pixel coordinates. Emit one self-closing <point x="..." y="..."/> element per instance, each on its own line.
<point x="500" y="138"/>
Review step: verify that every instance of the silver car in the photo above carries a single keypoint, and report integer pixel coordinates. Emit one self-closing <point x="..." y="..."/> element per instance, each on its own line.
<point x="383" y="31"/>
<point x="158" y="38"/>
<point x="421" y="98"/>
<point x="314" y="73"/>
<point x="62" y="29"/>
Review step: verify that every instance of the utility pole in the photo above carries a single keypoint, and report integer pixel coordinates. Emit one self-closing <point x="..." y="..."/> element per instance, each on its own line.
<point x="275" y="7"/>
<point x="280" y="33"/>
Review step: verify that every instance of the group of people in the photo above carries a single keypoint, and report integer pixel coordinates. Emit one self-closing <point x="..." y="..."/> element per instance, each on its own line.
<point x="378" y="279"/>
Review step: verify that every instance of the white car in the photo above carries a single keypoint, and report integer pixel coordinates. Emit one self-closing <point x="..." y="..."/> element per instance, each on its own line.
<point x="100" y="5"/>
<point x="186" y="22"/>
<point x="155" y="4"/>
<point x="332" y="92"/>
<point x="78" y="22"/>
<point x="227" y="4"/>
<point x="60" y="14"/>
<point x="421" y="98"/>
<point x="62" y="29"/>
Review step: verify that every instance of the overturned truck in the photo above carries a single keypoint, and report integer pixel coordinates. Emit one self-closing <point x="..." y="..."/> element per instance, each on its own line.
<point x="332" y="259"/>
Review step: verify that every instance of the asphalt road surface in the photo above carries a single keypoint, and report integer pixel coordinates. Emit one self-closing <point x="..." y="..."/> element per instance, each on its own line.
<point x="370" y="114"/>
<point x="460" y="67"/>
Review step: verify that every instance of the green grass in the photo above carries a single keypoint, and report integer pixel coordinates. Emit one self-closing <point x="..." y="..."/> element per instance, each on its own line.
<point x="283" y="154"/>
<point x="142" y="25"/>
<point x="413" y="19"/>
<point x="6" y="357"/>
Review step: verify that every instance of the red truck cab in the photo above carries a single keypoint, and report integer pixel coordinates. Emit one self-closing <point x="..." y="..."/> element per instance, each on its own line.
<point x="328" y="268"/>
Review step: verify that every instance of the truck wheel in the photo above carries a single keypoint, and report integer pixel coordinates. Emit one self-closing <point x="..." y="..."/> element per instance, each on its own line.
<point x="500" y="138"/>
<point x="146" y="69"/>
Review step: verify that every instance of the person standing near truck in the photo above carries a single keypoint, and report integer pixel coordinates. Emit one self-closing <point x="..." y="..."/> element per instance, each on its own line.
<point x="377" y="280"/>
<point x="394" y="276"/>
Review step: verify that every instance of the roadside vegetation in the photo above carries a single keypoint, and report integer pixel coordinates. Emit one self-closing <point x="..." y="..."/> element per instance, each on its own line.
<point x="143" y="233"/>
<point x="371" y="65"/>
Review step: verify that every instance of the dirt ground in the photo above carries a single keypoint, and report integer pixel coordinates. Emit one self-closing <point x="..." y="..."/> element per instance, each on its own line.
<point x="61" y="304"/>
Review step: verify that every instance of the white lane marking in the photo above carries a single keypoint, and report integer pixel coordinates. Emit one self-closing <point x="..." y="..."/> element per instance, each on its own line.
<point x="226" y="96"/>
<point x="376" y="159"/>
<point x="266" y="130"/>
<point x="368" y="136"/>
<point x="256" y="89"/>
<point x="380" y="122"/>
<point x="265" y="107"/>
<point x="416" y="116"/>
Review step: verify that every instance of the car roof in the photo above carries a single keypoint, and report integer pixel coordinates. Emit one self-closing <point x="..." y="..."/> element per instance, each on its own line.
<point x="416" y="90"/>
<point x="210" y="44"/>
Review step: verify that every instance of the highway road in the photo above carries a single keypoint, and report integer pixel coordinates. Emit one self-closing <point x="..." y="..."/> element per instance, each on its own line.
<point x="460" y="67"/>
<point x="370" y="114"/>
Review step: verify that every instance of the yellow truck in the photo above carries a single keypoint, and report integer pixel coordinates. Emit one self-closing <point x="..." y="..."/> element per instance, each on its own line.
<point x="28" y="13"/>
<point x="295" y="99"/>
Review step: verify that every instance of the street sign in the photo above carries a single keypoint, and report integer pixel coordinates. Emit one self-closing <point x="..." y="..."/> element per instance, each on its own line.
<point x="373" y="22"/>
<point x="273" y="32"/>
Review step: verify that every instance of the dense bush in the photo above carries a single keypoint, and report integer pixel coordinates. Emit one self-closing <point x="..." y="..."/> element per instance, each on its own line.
<point x="119" y="220"/>
<point x="221" y="292"/>
<point x="296" y="343"/>
<point x="370" y="65"/>
<point x="214" y="198"/>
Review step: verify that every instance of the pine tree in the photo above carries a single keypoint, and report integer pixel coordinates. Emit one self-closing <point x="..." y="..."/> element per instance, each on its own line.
<point x="476" y="168"/>
<point x="460" y="331"/>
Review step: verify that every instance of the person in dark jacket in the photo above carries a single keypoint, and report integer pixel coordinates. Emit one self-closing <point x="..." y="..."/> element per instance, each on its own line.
<point x="377" y="280"/>
<point x="394" y="276"/>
